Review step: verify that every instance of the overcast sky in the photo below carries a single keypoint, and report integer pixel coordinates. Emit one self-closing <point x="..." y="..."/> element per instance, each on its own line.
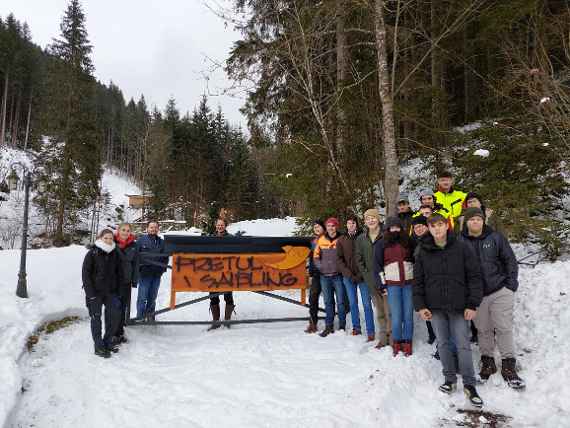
<point x="151" y="47"/>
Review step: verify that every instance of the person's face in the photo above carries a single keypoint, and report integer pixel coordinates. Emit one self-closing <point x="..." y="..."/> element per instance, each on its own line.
<point x="403" y="207"/>
<point x="220" y="227"/>
<point x="427" y="200"/>
<point x="351" y="226"/>
<point x="318" y="229"/>
<point x="331" y="229"/>
<point x="426" y="212"/>
<point x="438" y="230"/>
<point x="420" y="229"/>
<point x="475" y="225"/>
<point x="473" y="203"/>
<point x="445" y="183"/>
<point x="107" y="238"/>
<point x="371" y="222"/>
<point x="152" y="228"/>
<point x="124" y="232"/>
<point x="395" y="229"/>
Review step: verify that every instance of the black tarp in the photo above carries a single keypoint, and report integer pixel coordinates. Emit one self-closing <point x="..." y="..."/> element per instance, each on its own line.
<point x="232" y="244"/>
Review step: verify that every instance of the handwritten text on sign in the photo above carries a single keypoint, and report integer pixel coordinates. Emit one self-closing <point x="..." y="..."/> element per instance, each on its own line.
<point x="240" y="272"/>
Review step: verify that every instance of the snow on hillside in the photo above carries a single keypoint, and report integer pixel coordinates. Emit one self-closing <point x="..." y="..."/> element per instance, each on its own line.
<point x="118" y="185"/>
<point x="254" y="375"/>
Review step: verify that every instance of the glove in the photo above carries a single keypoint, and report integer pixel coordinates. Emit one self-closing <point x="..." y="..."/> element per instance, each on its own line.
<point x="134" y="285"/>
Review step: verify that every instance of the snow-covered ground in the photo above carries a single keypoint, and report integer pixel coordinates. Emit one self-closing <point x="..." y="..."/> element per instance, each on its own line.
<point x="266" y="375"/>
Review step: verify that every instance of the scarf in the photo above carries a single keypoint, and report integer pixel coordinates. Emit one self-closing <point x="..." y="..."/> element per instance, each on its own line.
<point x="124" y="243"/>
<point x="105" y="247"/>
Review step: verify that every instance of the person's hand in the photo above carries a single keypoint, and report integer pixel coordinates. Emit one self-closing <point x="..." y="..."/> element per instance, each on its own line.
<point x="470" y="314"/>
<point x="134" y="285"/>
<point x="425" y="314"/>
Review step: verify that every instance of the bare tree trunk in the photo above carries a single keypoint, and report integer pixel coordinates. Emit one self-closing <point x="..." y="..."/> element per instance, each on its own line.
<point x="4" y="108"/>
<point x="392" y="167"/>
<point x="341" y="74"/>
<point x="16" y="119"/>
<point x="28" y="120"/>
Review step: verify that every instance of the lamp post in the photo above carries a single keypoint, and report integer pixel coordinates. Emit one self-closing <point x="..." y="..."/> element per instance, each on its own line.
<point x="22" y="288"/>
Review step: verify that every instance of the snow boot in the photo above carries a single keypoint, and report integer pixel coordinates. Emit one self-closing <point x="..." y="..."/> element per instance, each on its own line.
<point x="396" y="347"/>
<point x="356" y="332"/>
<point x="472" y="396"/>
<point x="112" y="348"/>
<point x="407" y="348"/>
<point x="215" y="317"/>
<point x="102" y="352"/>
<point x="488" y="367"/>
<point x="448" y="387"/>
<point x="328" y="330"/>
<point x="311" y="328"/>
<point x="228" y="314"/>
<point x="370" y="338"/>
<point x="509" y="372"/>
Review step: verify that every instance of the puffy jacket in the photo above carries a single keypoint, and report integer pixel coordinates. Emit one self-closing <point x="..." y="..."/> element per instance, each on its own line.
<point x="395" y="259"/>
<point x="325" y="256"/>
<point x="447" y="278"/>
<point x="346" y="257"/>
<point x="498" y="262"/>
<point x="102" y="272"/>
<point x="451" y="201"/>
<point x="406" y="219"/>
<point x="365" y="259"/>
<point x="151" y="245"/>
<point x="130" y="262"/>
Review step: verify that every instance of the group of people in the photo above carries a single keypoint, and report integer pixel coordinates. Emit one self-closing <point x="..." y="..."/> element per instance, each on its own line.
<point x="118" y="262"/>
<point x="445" y="261"/>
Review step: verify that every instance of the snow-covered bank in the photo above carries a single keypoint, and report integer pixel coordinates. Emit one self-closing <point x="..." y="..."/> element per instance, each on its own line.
<point x="256" y="375"/>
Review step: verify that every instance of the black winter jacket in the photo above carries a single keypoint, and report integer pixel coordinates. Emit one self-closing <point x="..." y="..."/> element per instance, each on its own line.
<point x="151" y="245"/>
<point x="130" y="263"/>
<point x="102" y="272"/>
<point x="447" y="278"/>
<point x="499" y="266"/>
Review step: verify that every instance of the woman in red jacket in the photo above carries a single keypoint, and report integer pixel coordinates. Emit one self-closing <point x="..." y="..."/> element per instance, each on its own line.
<point x="393" y="262"/>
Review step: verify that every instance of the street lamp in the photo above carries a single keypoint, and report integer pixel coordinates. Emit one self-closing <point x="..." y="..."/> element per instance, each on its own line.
<point x="22" y="289"/>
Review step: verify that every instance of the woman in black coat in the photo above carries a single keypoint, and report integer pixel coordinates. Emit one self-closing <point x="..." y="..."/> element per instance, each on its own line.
<point x="102" y="279"/>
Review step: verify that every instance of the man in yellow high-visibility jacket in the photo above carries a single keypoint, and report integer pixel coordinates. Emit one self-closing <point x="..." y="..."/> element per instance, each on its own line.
<point x="450" y="198"/>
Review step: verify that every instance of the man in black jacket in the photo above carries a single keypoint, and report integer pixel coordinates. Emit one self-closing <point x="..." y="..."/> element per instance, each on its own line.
<point x="447" y="291"/>
<point x="500" y="282"/>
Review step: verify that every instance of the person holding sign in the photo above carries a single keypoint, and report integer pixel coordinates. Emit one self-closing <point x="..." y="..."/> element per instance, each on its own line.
<point x="221" y="232"/>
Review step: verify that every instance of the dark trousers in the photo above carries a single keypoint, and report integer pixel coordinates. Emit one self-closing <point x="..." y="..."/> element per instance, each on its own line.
<point x="125" y="311"/>
<point x="228" y="298"/>
<point x="112" y="315"/>
<point x="314" y="294"/>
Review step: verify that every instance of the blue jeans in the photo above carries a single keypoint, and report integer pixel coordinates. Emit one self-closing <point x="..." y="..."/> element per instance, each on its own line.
<point x="352" y="292"/>
<point x="401" y="311"/>
<point x="330" y="285"/>
<point x="146" y="298"/>
<point x="451" y="328"/>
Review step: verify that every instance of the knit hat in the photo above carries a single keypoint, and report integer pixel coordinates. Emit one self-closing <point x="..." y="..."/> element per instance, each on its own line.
<point x="473" y="212"/>
<point x="426" y="192"/>
<point x="332" y="220"/>
<point x="436" y="218"/>
<point x="473" y="195"/>
<point x="373" y="212"/>
<point x="403" y="197"/>
<point x="392" y="221"/>
<point x="319" y="222"/>
<point x="419" y="220"/>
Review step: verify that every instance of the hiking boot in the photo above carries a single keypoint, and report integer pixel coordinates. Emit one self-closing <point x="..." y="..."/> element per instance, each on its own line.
<point x="114" y="348"/>
<point x="370" y="338"/>
<point x="488" y="367"/>
<point x="215" y="309"/>
<point x="228" y="314"/>
<point x="448" y="387"/>
<point x="102" y="352"/>
<point x="356" y="332"/>
<point x="396" y="347"/>
<point x="472" y="396"/>
<point x="509" y="373"/>
<point x="311" y="328"/>
<point x="407" y="348"/>
<point x="328" y="330"/>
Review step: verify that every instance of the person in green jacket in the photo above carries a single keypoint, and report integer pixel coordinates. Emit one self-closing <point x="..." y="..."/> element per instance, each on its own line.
<point x="364" y="253"/>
